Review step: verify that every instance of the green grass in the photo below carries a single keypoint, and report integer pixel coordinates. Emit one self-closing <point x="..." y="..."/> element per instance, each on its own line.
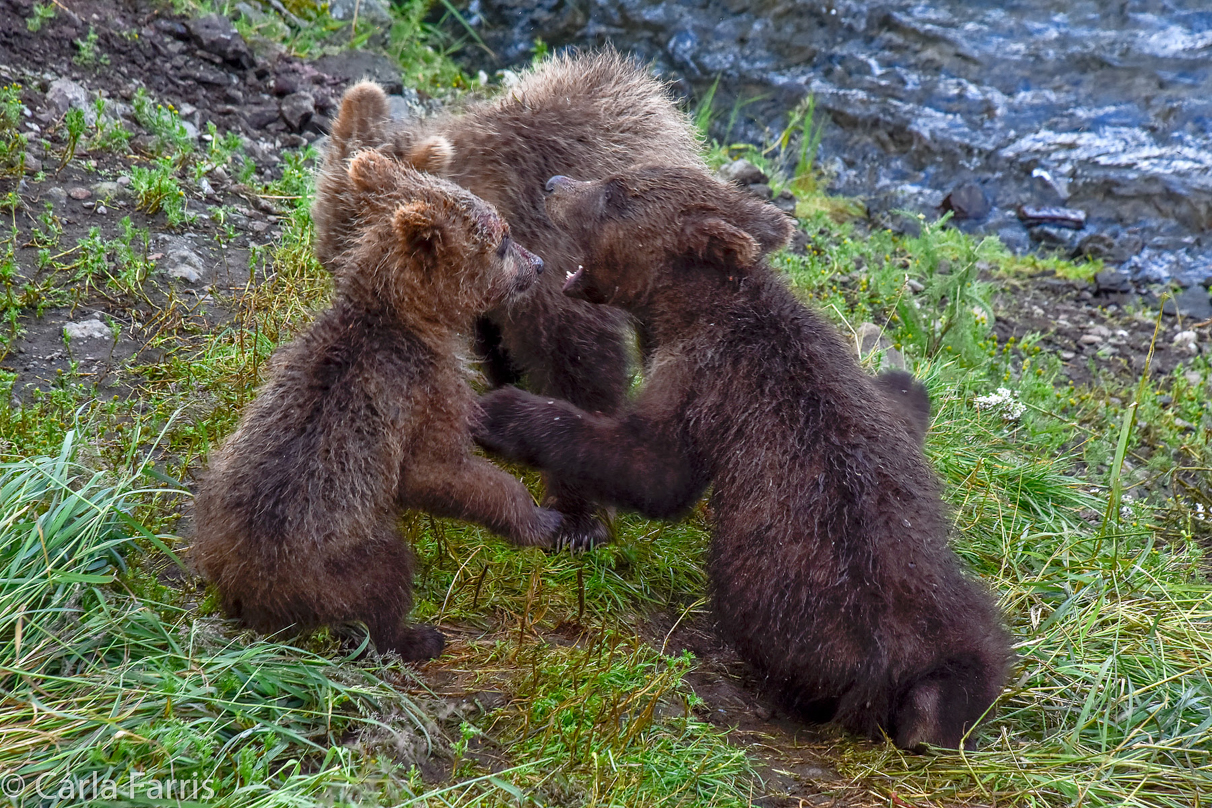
<point x="116" y="664"/>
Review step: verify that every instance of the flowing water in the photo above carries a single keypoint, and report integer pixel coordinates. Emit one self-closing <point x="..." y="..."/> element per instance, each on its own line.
<point x="1101" y="106"/>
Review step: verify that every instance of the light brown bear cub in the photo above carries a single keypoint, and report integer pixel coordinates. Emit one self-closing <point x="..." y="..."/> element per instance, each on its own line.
<point x="829" y="565"/>
<point x="366" y="414"/>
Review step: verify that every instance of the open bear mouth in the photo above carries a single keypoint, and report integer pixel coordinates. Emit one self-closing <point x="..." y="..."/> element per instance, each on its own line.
<point x="570" y="280"/>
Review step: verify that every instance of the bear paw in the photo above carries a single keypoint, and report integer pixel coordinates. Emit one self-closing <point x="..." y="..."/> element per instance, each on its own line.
<point x="581" y="532"/>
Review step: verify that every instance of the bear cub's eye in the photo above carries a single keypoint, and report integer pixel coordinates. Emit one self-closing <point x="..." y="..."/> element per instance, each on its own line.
<point x="501" y="250"/>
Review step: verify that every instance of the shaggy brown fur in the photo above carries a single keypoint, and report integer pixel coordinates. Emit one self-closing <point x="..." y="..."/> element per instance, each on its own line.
<point x="909" y="399"/>
<point x="591" y="115"/>
<point x="829" y="563"/>
<point x="365" y="414"/>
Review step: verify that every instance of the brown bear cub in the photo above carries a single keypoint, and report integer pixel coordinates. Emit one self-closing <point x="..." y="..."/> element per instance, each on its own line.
<point x="592" y="115"/>
<point x="365" y="414"/>
<point x="829" y="564"/>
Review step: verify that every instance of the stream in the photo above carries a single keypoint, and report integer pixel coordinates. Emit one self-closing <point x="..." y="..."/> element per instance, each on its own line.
<point x="1100" y="107"/>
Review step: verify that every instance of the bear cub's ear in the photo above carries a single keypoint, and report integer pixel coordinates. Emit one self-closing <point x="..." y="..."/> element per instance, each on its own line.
<point x="717" y="242"/>
<point x="432" y="155"/>
<point x="419" y="224"/>
<point x="362" y="121"/>
<point x="371" y="171"/>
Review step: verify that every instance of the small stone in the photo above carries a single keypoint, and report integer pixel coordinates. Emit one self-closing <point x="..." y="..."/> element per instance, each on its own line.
<point x="297" y="110"/>
<point x="56" y="194"/>
<point x="742" y="172"/>
<point x="1090" y="339"/>
<point x="220" y="174"/>
<point x="79" y="193"/>
<point x="1186" y="426"/>
<point x="32" y="164"/>
<point x="914" y="286"/>
<point x="785" y="202"/>
<point x="761" y="190"/>
<point x="215" y="34"/>
<point x="1113" y="280"/>
<point x="65" y="94"/>
<point x="1069" y="218"/>
<point x="87" y="329"/>
<point x="1186" y="341"/>
<point x="205" y="187"/>
<point x="763" y="713"/>
<point x="123" y="181"/>
<point x="106" y="190"/>
<point x="968" y="201"/>
<point x="182" y="262"/>
<point x="101" y="209"/>
<point x="1067" y="355"/>
<point x="1193" y="378"/>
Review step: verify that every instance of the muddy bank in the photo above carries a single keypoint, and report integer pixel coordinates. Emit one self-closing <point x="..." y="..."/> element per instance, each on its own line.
<point x="1100" y="108"/>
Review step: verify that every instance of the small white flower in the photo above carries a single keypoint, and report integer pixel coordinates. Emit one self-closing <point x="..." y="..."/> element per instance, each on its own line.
<point x="1003" y="401"/>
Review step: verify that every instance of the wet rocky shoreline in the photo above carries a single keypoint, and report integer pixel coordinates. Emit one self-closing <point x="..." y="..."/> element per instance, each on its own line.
<point x="1103" y="113"/>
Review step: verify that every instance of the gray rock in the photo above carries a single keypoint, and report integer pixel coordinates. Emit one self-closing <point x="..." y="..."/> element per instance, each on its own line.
<point x="371" y="11"/>
<point x="215" y="34"/>
<point x="742" y="172"/>
<point x="1113" y="280"/>
<point x="181" y="261"/>
<point x="967" y="201"/>
<point x="785" y="202"/>
<point x="107" y="190"/>
<point x="355" y="65"/>
<point x="407" y="106"/>
<point x="86" y="330"/>
<point x="871" y="339"/>
<point x="56" y="194"/>
<point x="761" y="190"/>
<point x="32" y="164"/>
<point x="1060" y="238"/>
<point x="297" y="110"/>
<point x="65" y="94"/>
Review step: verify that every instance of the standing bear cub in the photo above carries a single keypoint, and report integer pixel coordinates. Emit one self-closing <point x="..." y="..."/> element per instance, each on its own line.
<point x="829" y="565"/>
<point x="366" y="414"/>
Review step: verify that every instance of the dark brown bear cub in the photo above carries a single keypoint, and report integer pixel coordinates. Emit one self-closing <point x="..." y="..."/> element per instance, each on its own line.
<point x="593" y="114"/>
<point x="829" y="564"/>
<point x="365" y="414"/>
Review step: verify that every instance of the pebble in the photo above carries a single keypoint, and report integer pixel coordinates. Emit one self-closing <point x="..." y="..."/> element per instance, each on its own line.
<point x="56" y="194"/>
<point x="102" y="210"/>
<point x="79" y="193"/>
<point x="182" y="262"/>
<point x="1186" y="341"/>
<point x="1090" y="339"/>
<point x="106" y="190"/>
<point x="915" y="286"/>
<point x="87" y="329"/>
<point x="742" y="172"/>
<point x="968" y="201"/>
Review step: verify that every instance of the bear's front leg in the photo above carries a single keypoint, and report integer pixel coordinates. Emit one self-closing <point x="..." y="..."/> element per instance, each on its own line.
<point x="473" y="489"/>
<point x="635" y="461"/>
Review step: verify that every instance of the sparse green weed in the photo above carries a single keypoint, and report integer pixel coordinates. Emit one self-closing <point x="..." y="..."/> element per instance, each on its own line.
<point x="42" y="14"/>
<point x="88" y="55"/>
